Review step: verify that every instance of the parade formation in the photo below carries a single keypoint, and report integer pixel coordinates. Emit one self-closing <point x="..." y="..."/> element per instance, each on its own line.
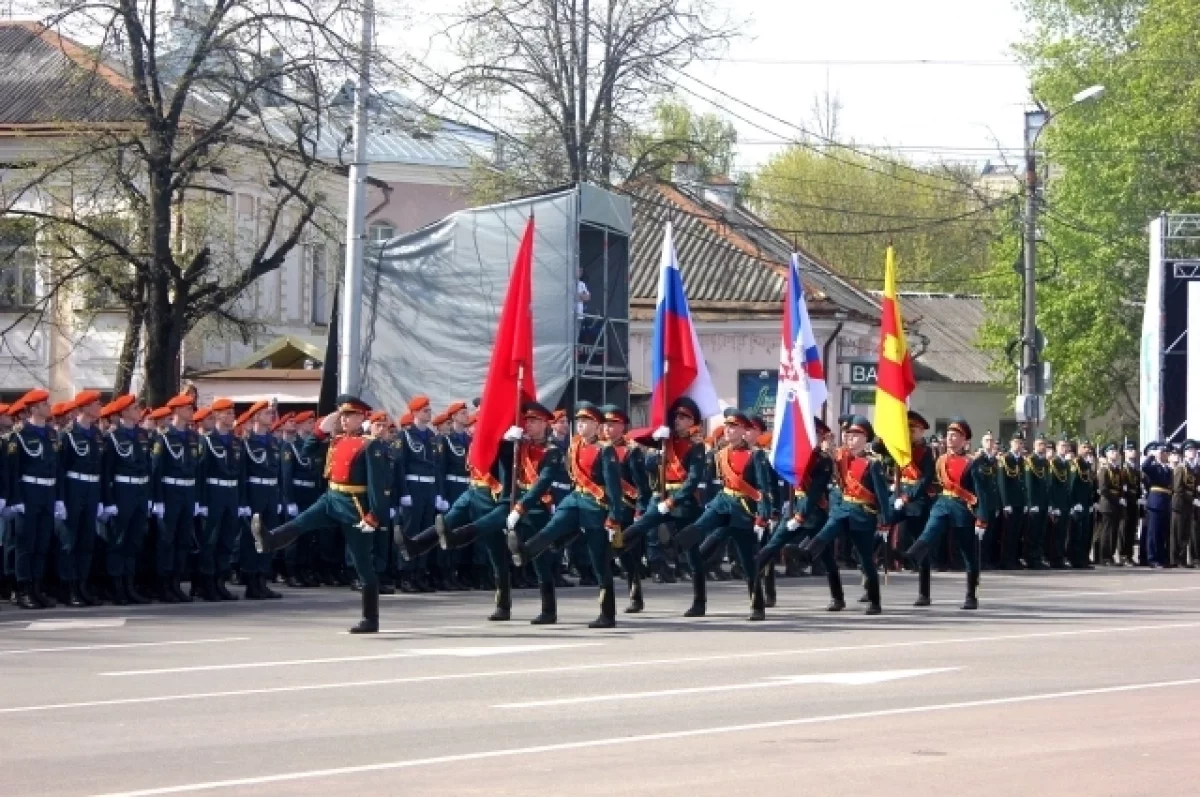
<point x="125" y="504"/>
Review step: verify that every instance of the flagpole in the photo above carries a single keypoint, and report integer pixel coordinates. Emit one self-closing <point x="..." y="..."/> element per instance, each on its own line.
<point x="665" y="442"/>
<point x="517" y="444"/>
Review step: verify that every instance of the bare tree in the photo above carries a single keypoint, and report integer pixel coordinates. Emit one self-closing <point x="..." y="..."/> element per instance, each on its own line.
<point x="581" y="74"/>
<point x="197" y="101"/>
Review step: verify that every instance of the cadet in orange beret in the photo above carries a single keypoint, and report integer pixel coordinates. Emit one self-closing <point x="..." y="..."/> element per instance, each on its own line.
<point x="419" y="486"/>
<point x="266" y="473"/>
<point x="174" y="460"/>
<point x="220" y="488"/>
<point x="33" y="493"/>
<point x="80" y="456"/>
<point x="126" y="494"/>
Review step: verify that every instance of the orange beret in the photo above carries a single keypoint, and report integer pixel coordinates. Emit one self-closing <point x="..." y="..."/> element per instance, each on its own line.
<point x="283" y="420"/>
<point x="457" y="406"/>
<point x="764" y="440"/>
<point x="221" y="404"/>
<point x="379" y="415"/>
<point x="117" y="405"/>
<point x="201" y="414"/>
<point x="241" y="419"/>
<point x="305" y="415"/>
<point x="160" y="413"/>
<point x="85" y="398"/>
<point x="3" y="409"/>
<point x="182" y="400"/>
<point x="406" y="419"/>
<point x="472" y="418"/>
<point x="16" y="407"/>
<point x="255" y="408"/>
<point x="61" y="408"/>
<point x="34" y="396"/>
<point x="418" y="403"/>
<point x="438" y="420"/>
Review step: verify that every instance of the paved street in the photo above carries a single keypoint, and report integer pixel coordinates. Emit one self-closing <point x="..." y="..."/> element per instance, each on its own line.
<point x="1063" y="683"/>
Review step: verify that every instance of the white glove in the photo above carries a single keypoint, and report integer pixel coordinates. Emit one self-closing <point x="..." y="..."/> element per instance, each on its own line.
<point x="1141" y="502"/>
<point x="514" y="517"/>
<point x="158" y="510"/>
<point x="1056" y="512"/>
<point x="330" y="422"/>
<point x="898" y="503"/>
<point x="664" y="508"/>
<point x="110" y="511"/>
<point x="793" y="524"/>
<point x="293" y="510"/>
<point x="1008" y="510"/>
<point x="553" y="508"/>
<point x="1033" y="510"/>
<point x="1077" y="509"/>
<point x="100" y="515"/>
<point x="150" y="507"/>
<point x="198" y="510"/>
<point x="1124" y="504"/>
<point x="244" y="511"/>
<point x="441" y="504"/>
<point x="60" y="510"/>
<point x="514" y="434"/>
<point x="393" y="511"/>
<point x="1196" y="501"/>
<point x="2" y="504"/>
<point x="758" y="532"/>
<point x="661" y="433"/>
<point x="980" y="532"/>
<point x="881" y="533"/>
<point x="406" y="501"/>
<point x="17" y="509"/>
<point x="365" y="527"/>
<point x="279" y="509"/>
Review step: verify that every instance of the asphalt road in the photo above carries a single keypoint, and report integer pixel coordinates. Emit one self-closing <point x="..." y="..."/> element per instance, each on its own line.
<point x="1063" y="683"/>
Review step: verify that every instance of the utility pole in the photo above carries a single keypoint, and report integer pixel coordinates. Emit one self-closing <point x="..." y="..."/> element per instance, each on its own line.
<point x="350" y="354"/>
<point x="1030" y="378"/>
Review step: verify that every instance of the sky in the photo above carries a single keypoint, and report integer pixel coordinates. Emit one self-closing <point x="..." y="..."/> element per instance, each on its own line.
<point x="965" y="106"/>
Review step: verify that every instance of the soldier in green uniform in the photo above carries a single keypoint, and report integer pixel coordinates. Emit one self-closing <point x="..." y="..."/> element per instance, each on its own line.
<point x="988" y="484"/>
<point x="125" y="487"/>
<point x="1112" y="506"/>
<point x="80" y="463"/>
<point x="1012" y="499"/>
<point x="221" y="491"/>
<point x="1131" y="483"/>
<point x="359" y="475"/>
<point x="1058" y="532"/>
<point x="625" y="475"/>
<point x="1082" y="489"/>
<point x="1037" y="498"/>
<point x="913" y="500"/>
<point x="33" y="452"/>
<point x="1183" y="493"/>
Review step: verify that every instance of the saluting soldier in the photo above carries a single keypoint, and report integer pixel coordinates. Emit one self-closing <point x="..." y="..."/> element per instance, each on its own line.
<point x="740" y="511"/>
<point x="125" y="489"/>
<point x="674" y="503"/>
<point x="419" y="487"/>
<point x="221" y="487"/>
<point x="33" y="452"/>
<point x="1012" y="496"/>
<point x="359" y="475"/>
<point x="1111" y="506"/>
<point x="592" y="509"/>
<point x="957" y="510"/>
<point x="304" y="489"/>
<point x="1156" y="475"/>
<point x="1131" y="484"/>
<point x="1183" y="493"/>
<point x="1037" y="498"/>
<point x="862" y="503"/>
<point x="266" y="472"/>
<point x="1083" y="489"/>
<point x="80" y="463"/>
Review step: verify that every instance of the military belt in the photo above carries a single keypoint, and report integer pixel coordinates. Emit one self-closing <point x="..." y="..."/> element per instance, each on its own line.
<point x="83" y="477"/>
<point x="455" y="478"/>
<point x="412" y="477"/>
<point x="131" y="479"/>
<point x="674" y="485"/>
<point x="560" y="486"/>
<point x="223" y="482"/>
<point x="179" y="482"/>
<point x="734" y="493"/>
<point x="352" y="489"/>
<point x="1160" y="490"/>
<point x="39" y="481"/>
<point x="261" y="480"/>
<point x="864" y="503"/>
<point x="302" y="483"/>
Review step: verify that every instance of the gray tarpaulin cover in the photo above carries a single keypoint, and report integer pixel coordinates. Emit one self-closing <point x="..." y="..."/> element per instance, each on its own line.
<point x="432" y="298"/>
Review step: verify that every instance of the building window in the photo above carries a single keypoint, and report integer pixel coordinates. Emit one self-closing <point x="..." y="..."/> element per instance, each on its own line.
<point x="318" y="267"/>
<point x="380" y="233"/>
<point x="18" y="265"/>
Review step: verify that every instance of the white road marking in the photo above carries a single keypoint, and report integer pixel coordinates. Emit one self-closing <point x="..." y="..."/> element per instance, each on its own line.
<point x="429" y="629"/>
<point x="76" y="625"/>
<point x="459" y="652"/>
<point x="571" y="668"/>
<point x="513" y="752"/>
<point x="117" y="645"/>
<point x="842" y="678"/>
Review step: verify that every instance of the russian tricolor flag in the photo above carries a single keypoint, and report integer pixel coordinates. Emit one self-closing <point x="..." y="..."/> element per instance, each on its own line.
<point x="802" y="387"/>
<point x="678" y="368"/>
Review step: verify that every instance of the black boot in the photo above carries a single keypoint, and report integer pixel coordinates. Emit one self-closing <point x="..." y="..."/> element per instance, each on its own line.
<point x="918" y="552"/>
<point x="370" y="606"/>
<point x="549" y="613"/>
<point x="253" y="591"/>
<point x="74" y="599"/>
<point x="923" y="585"/>
<point x="636" y="602"/>
<point x="503" y="609"/>
<point x="42" y="596"/>
<point x="757" y="601"/>
<point x="874" y="604"/>
<point x="131" y="591"/>
<point x="972" y="602"/>
<point x="608" y="609"/>
<point x="88" y="596"/>
<point x="386" y="587"/>
<point x="206" y="588"/>
<point x="25" y="598"/>
<point x="119" y="596"/>
<point x="180" y="595"/>
<point x="269" y="541"/>
<point x="221" y="590"/>
<point x="271" y="594"/>
<point x="165" y="593"/>
<point x="768" y="586"/>
<point x="699" y="596"/>
<point x="837" y="597"/>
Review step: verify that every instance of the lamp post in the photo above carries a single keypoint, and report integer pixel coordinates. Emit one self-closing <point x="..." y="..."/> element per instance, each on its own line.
<point x="1031" y="401"/>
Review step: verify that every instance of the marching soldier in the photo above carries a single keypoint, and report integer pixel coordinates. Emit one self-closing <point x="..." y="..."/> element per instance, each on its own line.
<point x="418" y="484"/>
<point x="304" y="488"/>
<point x="359" y="476"/>
<point x="913" y="499"/>
<point x="1083" y="486"/>
<point x="740" y="511"/>
<point x="33" y="452"/>
<point x="591" y="509"/>
<point x="1111" y="506"/>
<point x="625" y="475"/>
<point x="1131" y="484"/>
<point x="221" y="488"/>
<point x="1037" y="498"/>
<point x="1183" y="493"/>
<point x="862" y="504"/>
<point x="266" y="472"/>
<point x="126" y="493"/>
<point x="1012" y="497"/>
<point x="81" y="457"/>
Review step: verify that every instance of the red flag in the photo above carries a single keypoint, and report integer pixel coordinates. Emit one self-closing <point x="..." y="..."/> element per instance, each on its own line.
<point x="511" y="369"/>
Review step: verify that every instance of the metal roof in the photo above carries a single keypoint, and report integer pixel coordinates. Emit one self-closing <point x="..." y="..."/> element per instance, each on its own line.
<point x="943" y="330"/>
<point x="723" y="259"/>
<point x="45" y="81"/>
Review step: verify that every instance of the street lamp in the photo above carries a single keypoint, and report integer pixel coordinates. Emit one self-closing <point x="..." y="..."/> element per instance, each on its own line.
<point x="1031" y="401"/>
